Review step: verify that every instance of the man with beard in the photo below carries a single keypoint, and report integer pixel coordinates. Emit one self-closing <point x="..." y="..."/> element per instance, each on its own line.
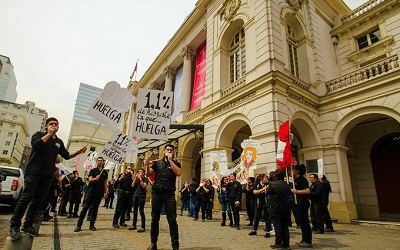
<point x="96" y="190"/>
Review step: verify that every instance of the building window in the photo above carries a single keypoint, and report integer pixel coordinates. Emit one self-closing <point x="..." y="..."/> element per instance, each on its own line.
<point x="12" y="126"/>
<point x="237" y="56"/>
<point x="10" y="134"/>
<point x="5" y="152"/>
<point x="8" y="143"/>
<point x="92" y="149"/>
<point x="369" y="38"/>
<point x="293" y="58"/>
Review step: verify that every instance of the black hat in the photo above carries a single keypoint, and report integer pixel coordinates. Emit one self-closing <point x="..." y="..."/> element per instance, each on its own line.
<point x="51" y="119"/>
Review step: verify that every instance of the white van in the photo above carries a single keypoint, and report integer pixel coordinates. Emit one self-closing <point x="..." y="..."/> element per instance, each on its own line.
<point x="12" y="185"/>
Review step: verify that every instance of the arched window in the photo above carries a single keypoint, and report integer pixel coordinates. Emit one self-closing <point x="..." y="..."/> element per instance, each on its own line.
<point x="293" y="58"/>
<point x="237" y="57"/>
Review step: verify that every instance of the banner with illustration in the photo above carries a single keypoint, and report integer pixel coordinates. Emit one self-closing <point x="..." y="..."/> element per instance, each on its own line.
<point x="176" y="108"/>
<point x="249" y="154"/>
<point x="153" y="112"/>
<point x="199" y="84"/>
<point x="117" y="147"/>
<point x="90" y="161"/>
<point x="219" y="162"/>
<point x="109" y="108"/>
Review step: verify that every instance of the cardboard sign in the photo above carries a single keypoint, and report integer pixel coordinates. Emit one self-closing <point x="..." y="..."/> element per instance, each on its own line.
<point x="109" y="108"/>
<point x="131" y="155"/>
<point x="219" y="162"/>
<point x="90" y="162"/>
<point x="117" y="147"/>
<point x="153" y="113"/>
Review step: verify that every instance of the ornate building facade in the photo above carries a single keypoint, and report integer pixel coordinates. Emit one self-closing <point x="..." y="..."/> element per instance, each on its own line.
<point x="334" y="73"/>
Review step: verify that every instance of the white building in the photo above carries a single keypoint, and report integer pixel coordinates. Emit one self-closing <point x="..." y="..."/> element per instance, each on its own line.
<point x="8" y="82"/>
<point x="334" y="73"/>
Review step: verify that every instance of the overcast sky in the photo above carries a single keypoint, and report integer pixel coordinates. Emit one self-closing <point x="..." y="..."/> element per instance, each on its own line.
<point x="55" y="45"/>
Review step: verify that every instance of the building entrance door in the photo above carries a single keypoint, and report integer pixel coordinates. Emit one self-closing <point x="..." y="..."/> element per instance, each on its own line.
<point x="385" y="159"/>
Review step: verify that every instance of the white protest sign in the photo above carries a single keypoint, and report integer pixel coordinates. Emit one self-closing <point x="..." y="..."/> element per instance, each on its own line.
<point x="219" y="161"/>
<point x="320" y="163"/>
<point x="281" y="148"/>
<point x="110" y="165"/>
<point x="117" y="147"/>
<point x="90" y="161"/>
<point x="153" y="111"/>
<point x="109" y="108"/>
<point x="249" y="154"/>
<point x="131" y="155"/>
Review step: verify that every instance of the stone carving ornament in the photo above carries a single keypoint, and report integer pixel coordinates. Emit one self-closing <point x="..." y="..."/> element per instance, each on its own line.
<point x="295" y="4"/>
<point x="229" y="9"/>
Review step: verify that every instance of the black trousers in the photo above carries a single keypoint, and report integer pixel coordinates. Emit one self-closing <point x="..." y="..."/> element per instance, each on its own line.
<point x="34" y="194"/>
<point x="327" y="216"/>
<point x="261" y="212"/>
<point x="317" y="219"/>
<point x="74" y="200"/>
<point x="251" y="209"/>
<point x="138" y="204"/>
<point x="91" y="201"/>
<point x="235" y="210"/>
<point x="281" y="226"/>
<point x="64" y="202"/>
<point x="203" y="205"/>
<point x="157" y="201"/>
<point x="302" y="213"/>
<point x="122" y="206"/>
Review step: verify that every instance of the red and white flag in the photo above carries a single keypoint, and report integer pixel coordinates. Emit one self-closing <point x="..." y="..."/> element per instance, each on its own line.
<point x="286" y="159"/>
<point x="134" y="71"/>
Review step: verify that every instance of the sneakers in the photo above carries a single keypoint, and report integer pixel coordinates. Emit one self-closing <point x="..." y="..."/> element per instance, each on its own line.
<point x="77" y="229"/>
<point x="30" y="230"/>
<point x="15" y="233"/>
<point x="253" y="233"/>
<point x="141" y="230"/>
<point x="92" y="228"/>
<point x="115" y="226"/>
<point x="305" y="245"/>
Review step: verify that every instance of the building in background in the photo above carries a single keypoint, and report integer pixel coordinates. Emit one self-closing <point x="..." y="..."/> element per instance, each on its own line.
<point x="14" y="133"/>
<point x="242" y="68"/>
<point x="8" y="82"/>
<point x="83" y="127"/>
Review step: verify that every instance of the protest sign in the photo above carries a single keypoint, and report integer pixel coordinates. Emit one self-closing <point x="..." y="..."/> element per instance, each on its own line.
<point x="117" y="147"/>
<point x="153" y="113"/>
<point x="249" y="154"/>
<point x="219" y="165"/>
<point x="109" y="108"/>
<point x="90" y="162"/>
<point x="131" y="155"/>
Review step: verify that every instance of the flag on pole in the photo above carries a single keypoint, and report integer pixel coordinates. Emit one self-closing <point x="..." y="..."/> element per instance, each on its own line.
<point x="134" y="71"/>
<point x="284" y="136"/>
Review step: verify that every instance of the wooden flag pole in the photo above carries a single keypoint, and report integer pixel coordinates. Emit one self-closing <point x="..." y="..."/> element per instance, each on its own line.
<point x="295" y="196"/>
<point x="98" y="126"/>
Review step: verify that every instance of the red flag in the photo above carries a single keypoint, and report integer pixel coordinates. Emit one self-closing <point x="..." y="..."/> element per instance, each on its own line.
<point x="284" y="131"/>
<point x="134" y="71"/>
<point x="284" y="136"/>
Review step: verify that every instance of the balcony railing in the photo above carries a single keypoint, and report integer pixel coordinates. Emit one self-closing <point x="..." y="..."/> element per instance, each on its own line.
<point x="233" y="87"/>
<point x="192" y="113"/>
<point x="361" y="10"/>
<point x="368" y="72"/>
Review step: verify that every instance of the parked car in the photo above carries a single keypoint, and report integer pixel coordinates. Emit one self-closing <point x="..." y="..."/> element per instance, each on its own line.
<point x="12" y="185"/>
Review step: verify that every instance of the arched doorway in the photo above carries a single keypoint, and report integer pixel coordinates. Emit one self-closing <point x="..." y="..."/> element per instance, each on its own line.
<point x="385" y="160"/>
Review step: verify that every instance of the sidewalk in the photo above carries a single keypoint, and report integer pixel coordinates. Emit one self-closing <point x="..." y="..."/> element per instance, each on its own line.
<point x="199" y="235"/>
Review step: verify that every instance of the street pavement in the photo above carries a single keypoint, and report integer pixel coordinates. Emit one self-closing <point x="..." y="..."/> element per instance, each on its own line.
<point x="195" y="235"/>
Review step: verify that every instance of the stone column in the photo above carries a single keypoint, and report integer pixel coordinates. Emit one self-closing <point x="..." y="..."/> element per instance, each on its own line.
<point x="187" y="53"/>
<point x="169" y="76"/>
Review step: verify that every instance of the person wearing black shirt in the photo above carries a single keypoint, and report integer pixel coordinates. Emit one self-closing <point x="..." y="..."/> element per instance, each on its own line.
<point x="281" y="202"/>
<point x="301" y="192"/>
<point x="52" y="195"/>
<point x="317" y="220"/>
<point x="259" y="189"/>
<point x="202" y="200"/>
<point x="193" y="197"/>
<point x="124" y="193"/>
<point x="139" y="199"/>
<point x="250" y="200"/>
<point x="326" y="189"/>
<point x="75" y="195"/>
<point x="108" y="203"/>
<point x="38" y="174"/>
<point x="166" y="169"/>
<point x="97" y="188"/>
<point x="235" y="195"/>
<point x="185" y="198"/>
<point x="65" y="188"/>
